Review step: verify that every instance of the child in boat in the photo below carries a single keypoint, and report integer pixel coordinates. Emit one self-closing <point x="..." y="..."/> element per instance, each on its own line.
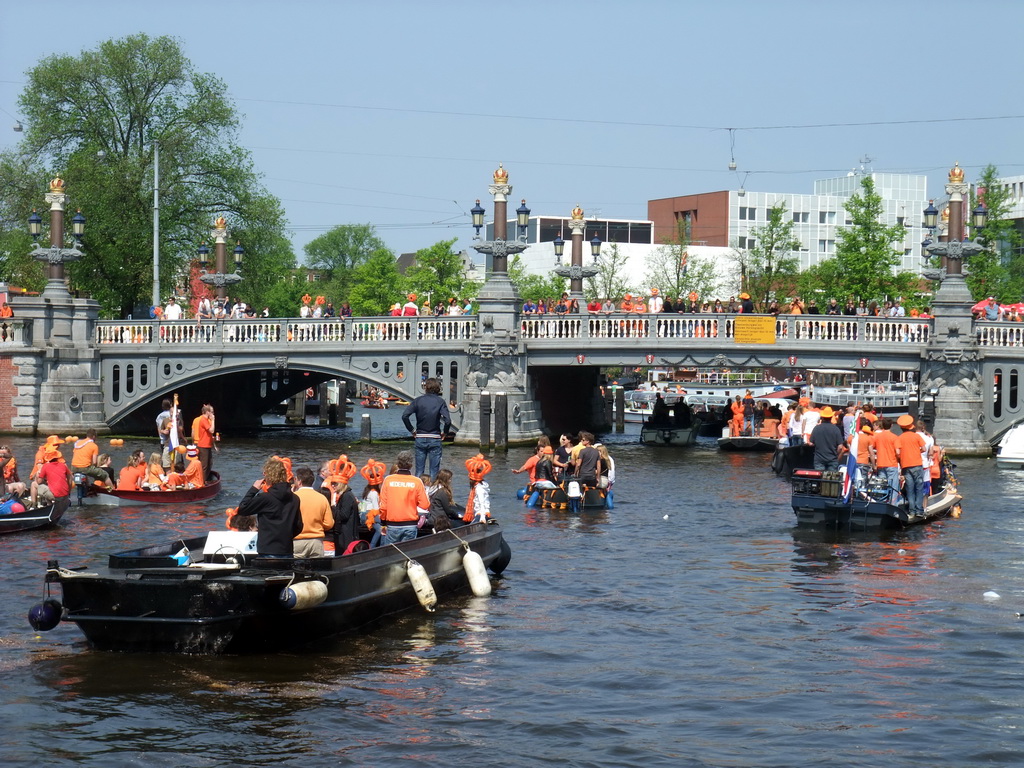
<point x="478" y="507"/>
<point x="369" y="507"/>
<point x="192" y="477"/>
<point x="156" y="480"/>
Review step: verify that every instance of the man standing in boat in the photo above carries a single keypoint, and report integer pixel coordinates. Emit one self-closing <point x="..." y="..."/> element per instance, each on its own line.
<point x="432" y="421"/>
<point x="827" y="440"/>
<point x="203" y="438"/>
<point x="909" y="445"/>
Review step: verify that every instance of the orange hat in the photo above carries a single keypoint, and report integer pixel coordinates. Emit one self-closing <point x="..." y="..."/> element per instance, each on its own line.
<point x="54" y="440"/>
<point x="804" y="402"/>
<point x="744" y="295"/>
<point x="827" y="412"/>
<point x="345" y="472"/>
<point x="905" y="421"/>
<point x="50" y="454"/>
<point x="547" y="450"/>
<point x="694" y="296"/>
<point x="191" y="451"/>
<point x="411" y="297"/>
<point x="866" y="429"/>
<point x="654" y="291"/>
<point x="628" y="296"/>
<point x="374" y="472"/>
<point x="478" y="466"/>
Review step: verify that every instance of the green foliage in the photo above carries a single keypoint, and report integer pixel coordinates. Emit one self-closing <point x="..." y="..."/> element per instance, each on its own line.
<point x="376" y="285"/>
<point x="438" y="273"/>
<point x="672" y="269"/>
<point x="866" y="256"/>
<point x="610" y="282"/>
<point x="339" y="253"/>
<point x="999" y="271"/>
<point x="283" y="298"/>
<point x="118" y="100"/>
<point x="767" y="268"/>
<point x="535" y="287"/>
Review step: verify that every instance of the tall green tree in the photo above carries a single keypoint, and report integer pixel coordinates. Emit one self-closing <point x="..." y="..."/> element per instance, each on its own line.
<point x="376" y="284"/>
<point x="339" y="252"/>
<point x="769" y="266"/>
<point x="438" y="273"/>
<point x="867" y="253"/>
<point x="96" y="118"/>
<point x="612" y="282"/>
<point x="999" y="271"/>
<point x="535" y="287"/>
<point x="672" y="270"/>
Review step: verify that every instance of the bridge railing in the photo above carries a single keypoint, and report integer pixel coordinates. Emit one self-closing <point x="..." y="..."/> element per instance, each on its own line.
<point x="1005" y="333"/>
<point x="13" y="332"/>
<point x="619" y="325"/>
<point x="349" y="330"/>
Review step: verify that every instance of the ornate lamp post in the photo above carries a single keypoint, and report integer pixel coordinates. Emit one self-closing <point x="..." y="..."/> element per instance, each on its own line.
<point x="220" y="278"/>
<point x="956" y="248"/>
<point x="575" y="271"/>
<point x="501" y="247"/>
<point x="56" y="255"/>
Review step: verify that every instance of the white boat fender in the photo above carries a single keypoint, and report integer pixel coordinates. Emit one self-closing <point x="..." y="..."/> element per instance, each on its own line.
<point x="476" y="572"/>
<point x="990" y="595"/>
<point x="421" y="585"/>
<point x="305" y="594"/>
<point x="573" y="491"/>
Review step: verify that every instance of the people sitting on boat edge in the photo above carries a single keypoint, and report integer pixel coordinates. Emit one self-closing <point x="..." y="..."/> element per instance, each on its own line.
<point x="53" y="481"/>
<point x="192" y="474"/>
<point x="83" y="459"/>
<point x="12" y="484"/>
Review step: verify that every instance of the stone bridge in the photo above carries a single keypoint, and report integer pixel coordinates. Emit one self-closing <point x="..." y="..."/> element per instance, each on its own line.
<point x="549" y="365"/>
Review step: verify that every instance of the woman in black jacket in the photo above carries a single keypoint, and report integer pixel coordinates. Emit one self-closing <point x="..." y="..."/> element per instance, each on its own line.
<point x="444" y="512"/>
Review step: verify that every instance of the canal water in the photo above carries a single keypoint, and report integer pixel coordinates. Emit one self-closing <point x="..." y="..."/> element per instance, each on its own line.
<point x="692" y="625"/>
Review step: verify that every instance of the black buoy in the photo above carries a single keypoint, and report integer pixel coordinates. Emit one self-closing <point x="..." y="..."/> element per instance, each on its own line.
<point x="46" y="615"/>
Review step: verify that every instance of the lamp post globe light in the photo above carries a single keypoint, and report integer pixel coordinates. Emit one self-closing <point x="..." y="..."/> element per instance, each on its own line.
<point x="575" y="270"/>
<point x="220" y="278"/>
<point x="956" y="248"/>
<point x="56" y="255"/>
<point x="500" y="248"/>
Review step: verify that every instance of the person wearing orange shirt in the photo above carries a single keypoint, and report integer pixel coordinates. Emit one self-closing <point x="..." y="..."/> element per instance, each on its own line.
<point x="909" y="446"/>
<point x="736" y="425"/>
<point x="83" y="460"/>
<point x="203" y="438"/>
<point x="6" y="311"/>
<point x="400" y="496"/>
<point x="884" y="457"/>
<point x="192" y="477"/>
<point x="132" y="476"/>
<point x="863" y="456"/>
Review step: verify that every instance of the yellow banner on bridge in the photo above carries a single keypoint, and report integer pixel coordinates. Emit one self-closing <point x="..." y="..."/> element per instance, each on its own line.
<point x="754" y="330"/>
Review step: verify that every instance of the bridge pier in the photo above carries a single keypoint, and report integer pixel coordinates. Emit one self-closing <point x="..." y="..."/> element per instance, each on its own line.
<point x="951" y="369"/>
<point x="57" y="372"/>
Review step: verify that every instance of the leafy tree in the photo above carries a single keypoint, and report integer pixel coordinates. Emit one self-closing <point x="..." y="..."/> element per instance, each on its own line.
<point x="767" y="267"/>
<point x="610" y="282"/>
<point x="339" y="252"/>
<point x="95" y="119"/>
<point x="535" y="287"/>
<point x="865" y="258"/>
<point x="672" y="269"/>
<point x="999" y="271"/>
<point x="376" y="284"/>
<point x="438" y="272"/>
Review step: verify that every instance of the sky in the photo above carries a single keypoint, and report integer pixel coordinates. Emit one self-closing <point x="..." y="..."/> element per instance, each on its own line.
<point x="396" y="113"/>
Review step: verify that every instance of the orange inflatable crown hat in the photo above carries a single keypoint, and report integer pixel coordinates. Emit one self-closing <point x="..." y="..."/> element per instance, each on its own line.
<point x="374" y="472"/>
<point x="478" y="466"/>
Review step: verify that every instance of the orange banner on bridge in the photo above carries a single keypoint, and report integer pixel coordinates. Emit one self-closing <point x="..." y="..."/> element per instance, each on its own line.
<point x="754" y="330"/>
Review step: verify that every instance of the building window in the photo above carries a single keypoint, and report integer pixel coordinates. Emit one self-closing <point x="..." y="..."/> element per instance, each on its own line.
<point x="746" y="243"/>
<point x="801" y="217"/>
<point x="826" y="217"/>
<point x="748" y="214"/>
<point x="640" y="233"/>
<point x="827" y="246"/>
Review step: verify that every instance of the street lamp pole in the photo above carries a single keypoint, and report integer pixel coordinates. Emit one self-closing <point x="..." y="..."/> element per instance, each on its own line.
<point x="221" y="278"/>
<point x="156" y="224"/>
<point x="576" y="271"/>
<point x="56" y="255"/>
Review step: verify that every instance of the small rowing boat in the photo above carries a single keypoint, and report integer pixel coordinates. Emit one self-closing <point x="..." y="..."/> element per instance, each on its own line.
<point x="179" y="496"/>
<point x="29" y="519"/>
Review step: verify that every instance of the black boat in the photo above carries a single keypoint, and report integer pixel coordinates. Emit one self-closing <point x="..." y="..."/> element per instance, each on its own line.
<point x="213" y="594"/>
<point x="40" y="517"/>
<point x="788" y="458"/>
<point x="818" y="502"/>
